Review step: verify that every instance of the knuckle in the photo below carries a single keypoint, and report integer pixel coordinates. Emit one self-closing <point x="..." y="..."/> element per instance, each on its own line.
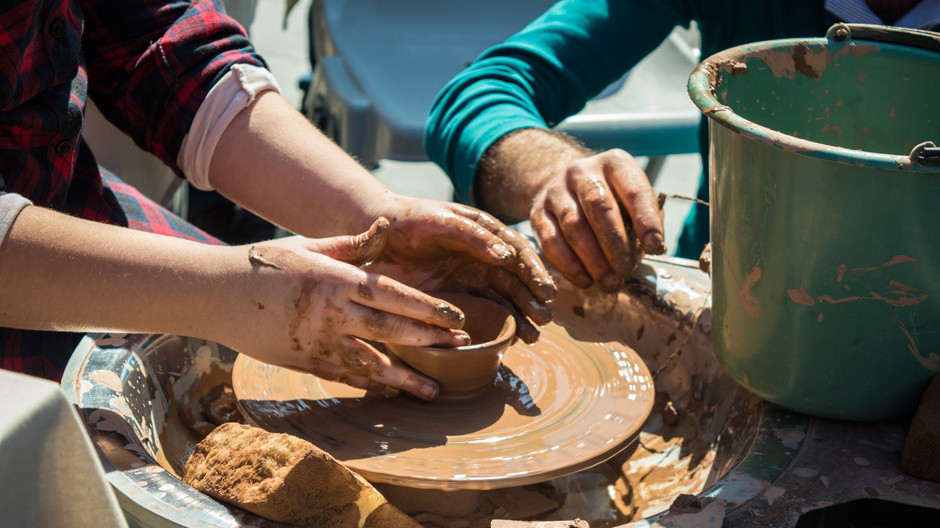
<point x="578" y="170"/>
<point x="632" y="193"/>
<point x="598" y="204"/>
<point x="323" y="369"/>
<point x="545" y="232"/>
<point x="399" y="327"/>
<point x="357" y="362"/>
<point x="354" y="381"/>
<point x="568" y="218"/>
<point x="617" y="156"/>
<point x="410" y="383"/>
<point x="554" y="195"/>
<point x="326" y="374"/>
<point x="377" y="321"/>
<point x="553" y="250"/>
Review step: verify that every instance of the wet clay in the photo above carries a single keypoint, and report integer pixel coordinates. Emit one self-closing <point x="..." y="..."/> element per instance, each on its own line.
<point x="556" y="407"/>
<point x="188" y="420"/>
<point x="370" y="244"/>
<point x="467" y="370"/>
<point x="216" y="407"/>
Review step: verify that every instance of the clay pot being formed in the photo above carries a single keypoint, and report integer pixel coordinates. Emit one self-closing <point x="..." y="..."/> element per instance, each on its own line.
<point x="465" y="371"/>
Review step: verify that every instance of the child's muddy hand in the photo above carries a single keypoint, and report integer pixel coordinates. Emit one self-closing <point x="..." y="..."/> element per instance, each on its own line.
<point x="439" y="246"/>
<point x="311" y="308"/>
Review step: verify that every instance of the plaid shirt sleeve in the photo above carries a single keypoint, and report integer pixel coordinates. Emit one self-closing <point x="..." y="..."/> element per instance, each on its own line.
<point x="152" y="62"/>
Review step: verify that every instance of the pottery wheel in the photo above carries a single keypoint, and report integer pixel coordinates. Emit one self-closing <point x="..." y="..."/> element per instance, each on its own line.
<point x="558" y="406"/>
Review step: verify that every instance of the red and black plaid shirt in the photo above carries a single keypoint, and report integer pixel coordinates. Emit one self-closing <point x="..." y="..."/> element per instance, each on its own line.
<point x="147" y="64"/>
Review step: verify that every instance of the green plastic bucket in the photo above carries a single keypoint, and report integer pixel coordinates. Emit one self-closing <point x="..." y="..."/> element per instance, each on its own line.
<point x="825" y="218"/>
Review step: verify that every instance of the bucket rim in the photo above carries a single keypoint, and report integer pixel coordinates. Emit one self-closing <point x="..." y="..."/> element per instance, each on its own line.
<point x="701" y="89"/>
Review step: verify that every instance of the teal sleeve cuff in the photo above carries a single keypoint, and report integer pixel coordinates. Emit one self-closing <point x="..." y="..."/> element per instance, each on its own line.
<point x="462" y="160"/>
<point x="540" y="76"/>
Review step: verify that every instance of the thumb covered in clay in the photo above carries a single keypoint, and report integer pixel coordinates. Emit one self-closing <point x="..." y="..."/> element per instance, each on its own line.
<point x="355" y="249"/>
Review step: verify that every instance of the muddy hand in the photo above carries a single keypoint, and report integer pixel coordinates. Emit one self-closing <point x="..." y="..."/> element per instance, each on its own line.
<point x="438" y="245"/>
<point x="578" y="218"/>
<point x="314" y="310"/>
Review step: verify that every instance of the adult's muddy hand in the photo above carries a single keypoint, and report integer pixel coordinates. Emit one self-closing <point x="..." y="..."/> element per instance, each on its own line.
<point x="435" y="245"/>
<point x="312" y="308"/>
<point x="582" y="218"/>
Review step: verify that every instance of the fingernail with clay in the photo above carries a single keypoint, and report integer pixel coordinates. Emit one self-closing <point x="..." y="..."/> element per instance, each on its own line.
<point x="583" y="280"/>
<point x="450" y="313"/>
<point x="428" y="391"/>
<point x="654" y="243"/>
<point x="460" y="339"/>
<point x="546" y="289"/>
<point x="611" y="282"/>
<point x="540" y="313"/>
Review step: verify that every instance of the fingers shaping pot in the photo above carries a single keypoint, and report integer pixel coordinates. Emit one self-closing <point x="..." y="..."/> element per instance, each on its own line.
<point x="468" y="370"/>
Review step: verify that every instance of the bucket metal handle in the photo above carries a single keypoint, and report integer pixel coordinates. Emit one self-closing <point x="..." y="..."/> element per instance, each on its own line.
<point x="926" y="154"/>
<point x="917" y="38"/>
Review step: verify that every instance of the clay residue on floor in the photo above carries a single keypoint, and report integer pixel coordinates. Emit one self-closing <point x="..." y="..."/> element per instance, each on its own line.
<point x="667" y="461"/>
<point x="678" y="450"/>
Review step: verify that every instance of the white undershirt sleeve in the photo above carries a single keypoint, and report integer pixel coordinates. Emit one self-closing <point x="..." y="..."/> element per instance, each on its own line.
<point x="10" y="206"/>
<point x="234" y="92"/>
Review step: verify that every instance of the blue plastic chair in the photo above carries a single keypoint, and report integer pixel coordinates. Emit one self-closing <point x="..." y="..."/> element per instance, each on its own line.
<point x="380" y="63"/>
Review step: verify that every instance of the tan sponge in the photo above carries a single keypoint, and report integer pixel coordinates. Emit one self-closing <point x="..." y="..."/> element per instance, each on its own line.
<point x="286" y="479"/>
<point x="921" y="455"/>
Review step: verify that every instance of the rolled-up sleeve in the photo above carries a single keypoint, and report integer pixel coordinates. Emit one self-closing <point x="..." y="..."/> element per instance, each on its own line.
<point x="542" y="75"/>
<point x="10" y="206"/>
<point x="151" y="63"/>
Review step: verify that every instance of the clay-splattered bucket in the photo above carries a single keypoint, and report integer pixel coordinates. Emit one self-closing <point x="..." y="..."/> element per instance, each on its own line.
<point x="825" y="218"/>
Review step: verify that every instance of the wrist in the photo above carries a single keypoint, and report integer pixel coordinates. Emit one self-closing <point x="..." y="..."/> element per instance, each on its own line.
<point x="235" y="294"/>
<point x="519" y="166"/>
<point x="375" y="203"/>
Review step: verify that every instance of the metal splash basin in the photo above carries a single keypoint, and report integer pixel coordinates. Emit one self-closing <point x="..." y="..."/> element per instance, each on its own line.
<point x="706" y="436"/>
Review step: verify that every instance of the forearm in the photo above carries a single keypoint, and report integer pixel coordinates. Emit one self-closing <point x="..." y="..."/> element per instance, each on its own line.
<point x="517" y="166"/>
<point x="62" y="273"/>
<point x="277" y="164"/>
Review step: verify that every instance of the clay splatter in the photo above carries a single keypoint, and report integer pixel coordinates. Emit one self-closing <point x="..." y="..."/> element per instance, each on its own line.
<point x="365" y="291"/>
<point x="748" y="301"/>
<point x="800" y="296"/>
<point x="302" y="308"/>
<point x="107" y="379"/>
<point x="897" y="259"/>
<point x="931" y="362"/>
<point x="255" y="257"/>
<point x="898" y="295"/>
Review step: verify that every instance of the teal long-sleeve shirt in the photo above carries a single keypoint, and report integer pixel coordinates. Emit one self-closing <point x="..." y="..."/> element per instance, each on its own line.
<point x="550" y="69"/>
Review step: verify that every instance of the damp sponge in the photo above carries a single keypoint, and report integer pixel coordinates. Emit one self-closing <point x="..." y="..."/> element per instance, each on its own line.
<point x="286" y="479"/>
<point x="921" y="456"/>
